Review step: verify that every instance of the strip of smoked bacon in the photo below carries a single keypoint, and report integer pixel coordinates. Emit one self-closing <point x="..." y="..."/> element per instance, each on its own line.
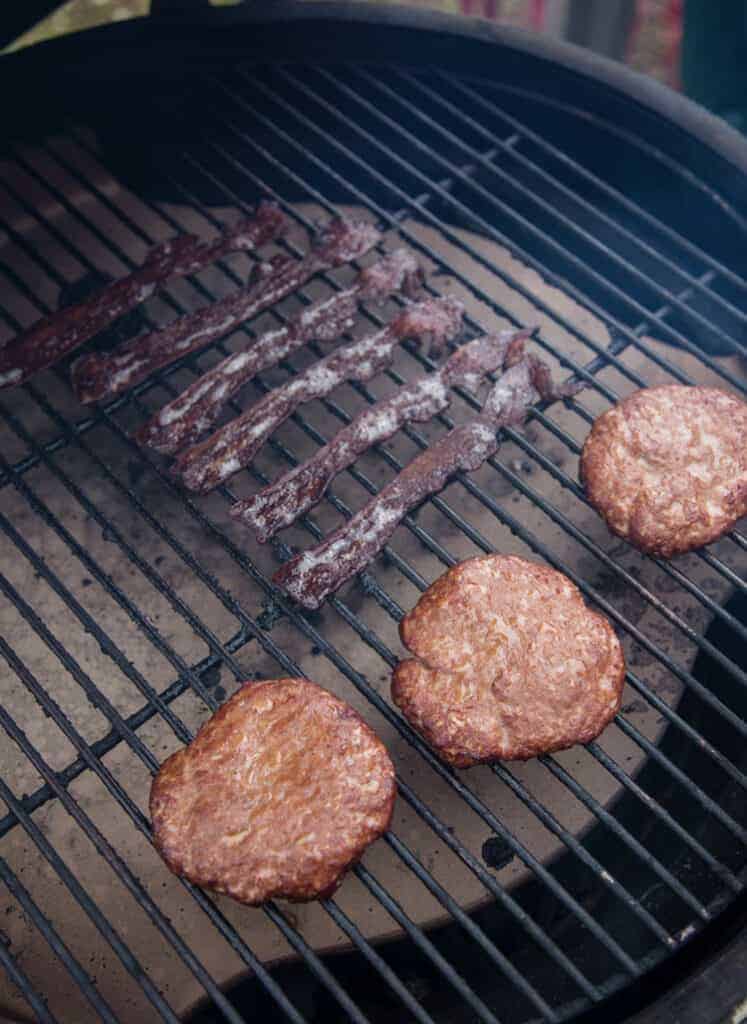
<point x="99" y="376"/>
<point x="59" y="333"/>
<point x="287" y="498"/>
<point x="192" y="413"/>
<point x="314" y="574"/>
<point x="203" y="466"/>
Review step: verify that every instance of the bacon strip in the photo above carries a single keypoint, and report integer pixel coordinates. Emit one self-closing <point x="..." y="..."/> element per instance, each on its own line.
<point x="203" y="466"/>
<point x="312" y="575"/>
<point x="287" y="498"/>
<point x="194" y="412"/>
<point x="60" y="333"/>
<point x="98" y="376"/>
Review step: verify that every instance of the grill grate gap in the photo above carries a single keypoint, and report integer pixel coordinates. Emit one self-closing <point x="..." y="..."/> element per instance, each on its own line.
<point x="281" y="153"/>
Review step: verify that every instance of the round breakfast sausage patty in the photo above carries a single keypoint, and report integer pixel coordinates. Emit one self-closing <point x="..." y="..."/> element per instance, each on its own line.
<point x="277" y="795"/>
<point x="509" y="663"/>
<point x="666" y="468"/>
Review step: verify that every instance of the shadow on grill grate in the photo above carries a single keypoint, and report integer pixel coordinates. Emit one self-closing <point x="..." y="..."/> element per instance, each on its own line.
<point x="132" y="611"/>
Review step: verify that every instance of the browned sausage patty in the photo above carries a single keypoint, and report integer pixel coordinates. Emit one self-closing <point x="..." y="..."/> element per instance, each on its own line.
<point x="509" y="663"/>
<point x="277" y="795"/>
<point x="667" y="467"/>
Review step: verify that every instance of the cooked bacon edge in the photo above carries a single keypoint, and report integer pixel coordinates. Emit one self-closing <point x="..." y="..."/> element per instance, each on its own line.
<point x="287" y="498"/>
<point x="189" y="416"/>
<point x="59" y="333"/>
<point x="98" y="376"/>
<point x="314" y="574"/>
<point x="203" y="466"/>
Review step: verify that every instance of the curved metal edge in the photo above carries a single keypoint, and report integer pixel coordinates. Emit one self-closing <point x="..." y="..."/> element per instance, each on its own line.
<point x="704" y="996"/>
<point x="66" y="52"/>
<point x="709" y="128"/>
<point x="713" y="991"/>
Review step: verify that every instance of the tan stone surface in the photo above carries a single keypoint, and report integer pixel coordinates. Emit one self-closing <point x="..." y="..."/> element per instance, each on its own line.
<point x="167" y="639"/>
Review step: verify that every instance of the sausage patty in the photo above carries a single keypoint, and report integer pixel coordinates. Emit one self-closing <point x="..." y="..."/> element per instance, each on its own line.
<point x="666" y="468"/>
<point x="278" y="794"/>
<point x="509" y="663"/>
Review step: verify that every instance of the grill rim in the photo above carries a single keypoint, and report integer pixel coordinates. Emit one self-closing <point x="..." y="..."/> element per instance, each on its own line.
<point x="337" y="6"/>
<point x="209" y="34"/>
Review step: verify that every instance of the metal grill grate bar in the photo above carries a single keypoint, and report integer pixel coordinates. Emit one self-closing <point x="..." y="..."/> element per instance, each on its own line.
<point x="21" y="980"/>
<point x="191" y="676"/>
<point x="181" y="731"/>
<point x="44" y="927"/>
<point x="471" y="92"/>
<point x="504" y="898"/>
<point x="484" y="226"/>
<point x="413" y="435"/>
<point x="366" y="200"/>
<point x="670" y="299"/>
<point x="425" y="945"/>
<point x="584" y="856"/>
<point x="621" y="833"/>
<point x="347" y="926"/>
<point x="474" y="931"/>
<point x="522" y="131"/>
<point x="652" y="804"/>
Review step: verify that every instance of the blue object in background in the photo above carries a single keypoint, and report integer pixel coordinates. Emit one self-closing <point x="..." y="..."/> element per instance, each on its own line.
<point x="714" y="57"/>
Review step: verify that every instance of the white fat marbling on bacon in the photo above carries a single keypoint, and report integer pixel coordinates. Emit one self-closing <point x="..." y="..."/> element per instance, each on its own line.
<point x="350" y="239"/>
<point x="310" y="577"/>
<point x="283" y="501"/>
<point x="11" y="377"/>
<point x="121" y="378"/>
<point x="188" y="417"/>
<point x="229" y="467"/>
<point x="375" y="521"/>
<point x="60" y="333"/>
<point x="200" y="465"/>
<point x="399" y="270"/>
<point x="341" y="242"/>
<point x="212" y="331"/>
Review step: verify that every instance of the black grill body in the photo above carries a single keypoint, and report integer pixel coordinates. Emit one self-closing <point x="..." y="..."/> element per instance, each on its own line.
<point x="535" y="181"/>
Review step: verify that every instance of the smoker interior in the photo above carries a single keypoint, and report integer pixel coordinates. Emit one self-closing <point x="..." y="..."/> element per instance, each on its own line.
<point x="130" y="611"/>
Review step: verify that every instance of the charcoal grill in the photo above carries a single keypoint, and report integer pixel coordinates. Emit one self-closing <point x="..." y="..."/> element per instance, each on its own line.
<point x="543" y="186"/>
